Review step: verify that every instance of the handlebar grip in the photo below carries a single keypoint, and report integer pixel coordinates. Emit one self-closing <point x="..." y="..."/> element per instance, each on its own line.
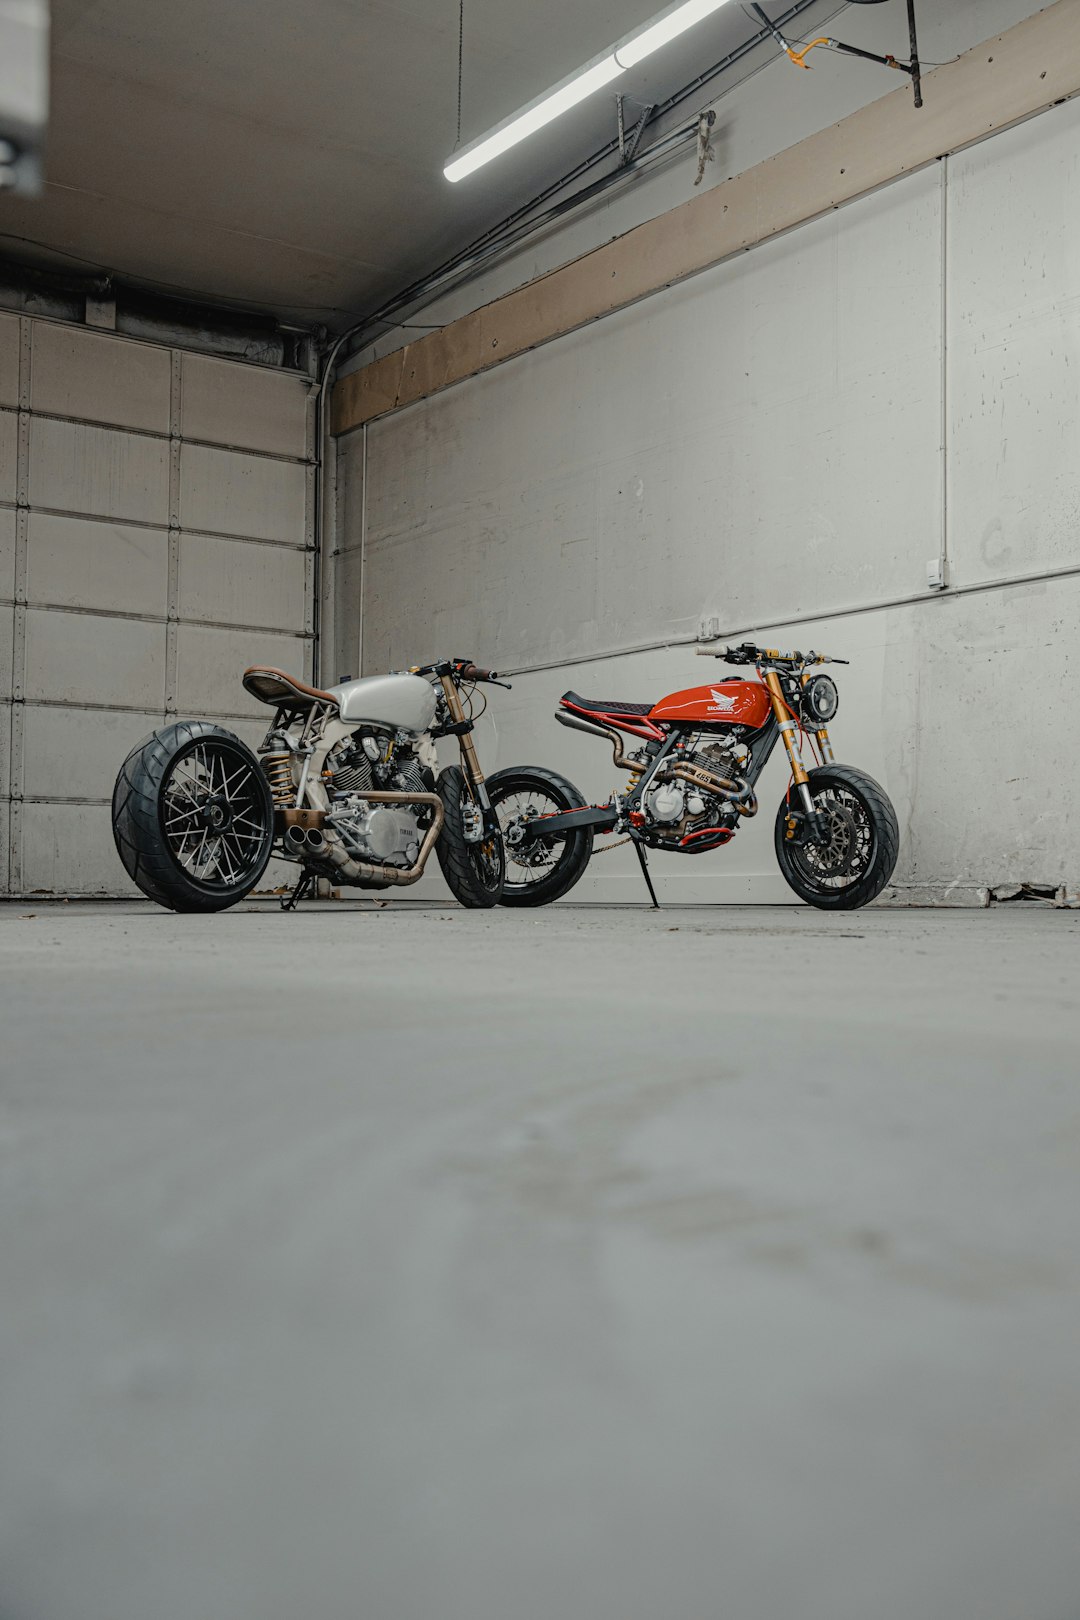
<point x="473" y="672"/>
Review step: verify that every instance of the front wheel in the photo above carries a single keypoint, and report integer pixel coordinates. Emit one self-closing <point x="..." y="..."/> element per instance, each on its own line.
<point x="538" y="872"/>
<point x="856" y="860"/>
<point x="192" y="817"/>
<point x="472" y="862"/>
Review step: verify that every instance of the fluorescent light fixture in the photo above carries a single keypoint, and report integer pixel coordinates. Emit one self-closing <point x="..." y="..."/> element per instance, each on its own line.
<point x="533" y="117"/>
<point x="668" y="25"/>
<point x="594" y="75"/>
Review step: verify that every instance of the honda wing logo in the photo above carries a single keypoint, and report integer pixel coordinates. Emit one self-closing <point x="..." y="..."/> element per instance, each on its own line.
<point x="722" y="702"/>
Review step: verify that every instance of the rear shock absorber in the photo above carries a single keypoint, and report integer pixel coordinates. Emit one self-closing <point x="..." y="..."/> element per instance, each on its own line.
<point x="278" y="768"/>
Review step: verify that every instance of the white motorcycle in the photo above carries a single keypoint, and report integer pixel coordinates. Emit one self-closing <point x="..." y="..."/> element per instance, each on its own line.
<point x="344" y="785"/>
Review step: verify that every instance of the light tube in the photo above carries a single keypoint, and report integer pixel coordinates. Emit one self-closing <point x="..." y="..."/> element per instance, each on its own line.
<point x="533" y="117"/>
<point x="668" y="25"/>
<point x="594" y="75"/>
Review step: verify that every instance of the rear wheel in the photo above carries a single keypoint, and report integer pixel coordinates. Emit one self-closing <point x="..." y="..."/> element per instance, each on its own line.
<point x="472" y="866"/>
<point x="192" y="817"/>
<point x="538" y="872"/>
<point x="856" y="860"/>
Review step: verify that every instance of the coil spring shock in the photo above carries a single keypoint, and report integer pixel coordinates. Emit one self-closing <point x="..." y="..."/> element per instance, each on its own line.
<point x="278" y="768"/>
<point x="635" y="777"/>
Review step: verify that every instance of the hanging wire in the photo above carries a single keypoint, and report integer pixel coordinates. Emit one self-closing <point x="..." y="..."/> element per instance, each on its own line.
<point x="460" y="66"/>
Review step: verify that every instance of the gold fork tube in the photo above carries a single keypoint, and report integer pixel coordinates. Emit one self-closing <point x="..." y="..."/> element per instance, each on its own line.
<point x="788" y="727"/>
<point x="468" y="747"/>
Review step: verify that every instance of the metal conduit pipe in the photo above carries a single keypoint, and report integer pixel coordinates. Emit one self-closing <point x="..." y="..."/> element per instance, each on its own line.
<point x="486" y="248"/>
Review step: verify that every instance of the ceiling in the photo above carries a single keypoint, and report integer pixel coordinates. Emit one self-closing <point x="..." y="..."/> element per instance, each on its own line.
<point x="286" y="155"/>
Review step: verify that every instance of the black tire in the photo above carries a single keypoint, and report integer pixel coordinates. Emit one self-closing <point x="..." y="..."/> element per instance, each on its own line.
<point x="473" y="871"/>
<point x="559" y="863"/>
<point x="855" y="868"/>
<point x="183" y="787"/>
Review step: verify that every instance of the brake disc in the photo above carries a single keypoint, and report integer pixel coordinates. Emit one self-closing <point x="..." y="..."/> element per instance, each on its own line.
<point x="838" y="856"/>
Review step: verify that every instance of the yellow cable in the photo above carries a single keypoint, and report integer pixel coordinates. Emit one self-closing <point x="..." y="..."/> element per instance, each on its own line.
<point x="798" y="57"/>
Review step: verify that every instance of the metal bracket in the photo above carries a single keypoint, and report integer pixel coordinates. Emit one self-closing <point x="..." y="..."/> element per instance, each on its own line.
<point x="628" y="143"/>
<point x="912" y="68"/>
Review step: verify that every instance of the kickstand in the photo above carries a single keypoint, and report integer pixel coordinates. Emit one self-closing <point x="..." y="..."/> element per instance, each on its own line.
<point x="304" y="885"/>
<point x="643" y="863"/>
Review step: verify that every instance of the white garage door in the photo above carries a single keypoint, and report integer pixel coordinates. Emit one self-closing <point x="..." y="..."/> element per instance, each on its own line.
<point x="156" y="536"/>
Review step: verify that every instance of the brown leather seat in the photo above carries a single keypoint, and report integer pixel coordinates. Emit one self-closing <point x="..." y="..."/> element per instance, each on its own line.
<point x="274" y="686"/>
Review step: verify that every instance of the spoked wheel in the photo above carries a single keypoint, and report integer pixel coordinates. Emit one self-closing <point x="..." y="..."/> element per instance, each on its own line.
<point x="857" y="858"/>
<point x="538" y="872"/>
<point x="471" y="863"/>
<point x="193" y="819"/>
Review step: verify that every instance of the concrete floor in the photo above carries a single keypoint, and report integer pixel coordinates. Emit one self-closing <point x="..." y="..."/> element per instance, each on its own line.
<point x="412" y="1264"/>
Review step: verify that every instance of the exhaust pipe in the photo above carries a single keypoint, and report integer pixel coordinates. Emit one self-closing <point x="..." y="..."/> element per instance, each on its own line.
<point x="294" y="840"/>
<point x="352" y="870"/>
<point x="577" y="723"/>
<point x="314" y="839"/>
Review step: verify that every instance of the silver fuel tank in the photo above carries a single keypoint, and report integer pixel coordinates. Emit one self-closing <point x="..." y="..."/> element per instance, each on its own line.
<point x="406" y="702"/>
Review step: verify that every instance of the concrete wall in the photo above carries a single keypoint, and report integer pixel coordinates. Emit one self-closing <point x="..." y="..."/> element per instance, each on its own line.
<point x="782" y="444"/>
<point x="155" y="538"/>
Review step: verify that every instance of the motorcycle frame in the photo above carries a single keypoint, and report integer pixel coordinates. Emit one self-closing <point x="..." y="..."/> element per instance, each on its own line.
<point x="321" y="730"/>
<point x="625" y="812"/>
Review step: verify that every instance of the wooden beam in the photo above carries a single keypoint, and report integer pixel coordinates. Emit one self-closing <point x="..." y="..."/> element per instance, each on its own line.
<point x="1023" y="71"/>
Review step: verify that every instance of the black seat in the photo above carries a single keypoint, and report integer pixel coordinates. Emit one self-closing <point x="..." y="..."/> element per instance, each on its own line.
<point x="603" y="706"/>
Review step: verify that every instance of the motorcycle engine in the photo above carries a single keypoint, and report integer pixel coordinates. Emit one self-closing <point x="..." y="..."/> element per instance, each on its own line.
<point x="666" y="802"/>
<point x="721" y="759"/>
<point x="383" y="833"/>
<point x="675" y="808"/>
<point x="388" y="833"/>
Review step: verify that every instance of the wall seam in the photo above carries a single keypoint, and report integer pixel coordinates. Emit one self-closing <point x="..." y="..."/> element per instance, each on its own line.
<point x="944" y="552"/>
<point x="18" y="652"/>
<point x="363" y="546"/>
<point x="978" y="588"/>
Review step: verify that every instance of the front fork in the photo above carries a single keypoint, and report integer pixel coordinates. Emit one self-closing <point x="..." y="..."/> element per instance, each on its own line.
<point x="789" y="731"/>
<point x="469" y="758"/>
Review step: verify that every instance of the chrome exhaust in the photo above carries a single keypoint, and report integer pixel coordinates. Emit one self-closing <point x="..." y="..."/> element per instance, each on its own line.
<point x="294" y="840"/>
<point x="314" y="839"/>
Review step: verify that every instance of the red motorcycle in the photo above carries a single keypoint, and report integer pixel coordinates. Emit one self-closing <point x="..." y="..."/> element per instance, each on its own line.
<point x="693" y="765"/>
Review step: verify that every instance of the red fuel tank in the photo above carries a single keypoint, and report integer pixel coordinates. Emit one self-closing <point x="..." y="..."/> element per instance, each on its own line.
<point x="727" y="703"/>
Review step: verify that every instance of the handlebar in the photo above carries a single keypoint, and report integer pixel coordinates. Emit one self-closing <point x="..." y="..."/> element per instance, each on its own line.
<point x="460" y="669"/>
<point x="748" y="653"/>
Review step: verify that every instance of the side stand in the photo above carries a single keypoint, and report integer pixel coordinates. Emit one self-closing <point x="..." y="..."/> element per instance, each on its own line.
<point x="644" y="864"/>
<point x="304" y="885"/>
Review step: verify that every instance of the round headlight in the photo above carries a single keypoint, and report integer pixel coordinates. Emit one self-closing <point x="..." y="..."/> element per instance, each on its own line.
<point x="820" y="700"/>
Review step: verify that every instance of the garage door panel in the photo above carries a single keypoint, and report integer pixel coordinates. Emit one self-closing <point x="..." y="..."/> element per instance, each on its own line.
<point x="68" y="849"/>
<point x="227" y="492"/>
<point x="110" y="556"/>
<point x="7" y="554"/>
<point x="210" y="664"/>
<point x="9" y="451"/>
<point x="103" y="379"/>
<point x="73" y="753"/>
<point x="78" y="562"/>
<point x="243" y="407"/>
<point x="9" y="360"/>
<point x="230" y="582"/>
<point x="7" y="636"/>
<point x="5" y="750"/>
<point x="81" y="658"/>
<point x="98" y="471"/>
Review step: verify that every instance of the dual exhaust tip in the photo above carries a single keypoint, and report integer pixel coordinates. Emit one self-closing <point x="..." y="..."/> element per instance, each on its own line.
<point x="304" y="839"/>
